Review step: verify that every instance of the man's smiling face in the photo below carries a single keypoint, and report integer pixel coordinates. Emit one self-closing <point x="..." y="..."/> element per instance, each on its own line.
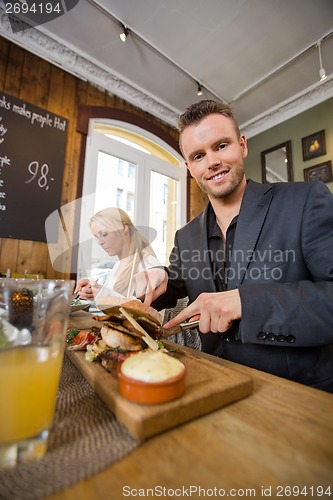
<point x="215" y="155"/>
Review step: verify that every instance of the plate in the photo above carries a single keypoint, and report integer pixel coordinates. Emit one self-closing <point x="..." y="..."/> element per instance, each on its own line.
<point x="80" y="306"/>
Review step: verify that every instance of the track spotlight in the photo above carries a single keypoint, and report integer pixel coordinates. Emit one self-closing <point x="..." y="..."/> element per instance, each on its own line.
<point x="123" y="34"/>
<point x="199" y="89"/>
<point x="322" y="72"/>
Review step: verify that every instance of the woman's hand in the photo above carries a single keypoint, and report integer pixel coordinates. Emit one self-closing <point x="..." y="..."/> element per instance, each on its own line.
<point x="216" y="311"/>
<point x="87" y="289"/>
<point x="150" y="284"/>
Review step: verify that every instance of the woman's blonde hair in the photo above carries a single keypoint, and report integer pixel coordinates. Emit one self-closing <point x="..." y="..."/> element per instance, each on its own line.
<point x="114" y="219"/>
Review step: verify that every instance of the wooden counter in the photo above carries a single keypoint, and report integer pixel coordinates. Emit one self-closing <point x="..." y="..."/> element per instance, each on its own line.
<point x="279" y="437"/>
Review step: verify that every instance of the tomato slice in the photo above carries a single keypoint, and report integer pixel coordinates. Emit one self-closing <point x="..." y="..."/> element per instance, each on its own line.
<point x="82" y="339"/>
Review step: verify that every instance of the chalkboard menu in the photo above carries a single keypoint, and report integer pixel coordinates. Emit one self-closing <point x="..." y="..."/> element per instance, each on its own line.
<point x="32" y="155"/>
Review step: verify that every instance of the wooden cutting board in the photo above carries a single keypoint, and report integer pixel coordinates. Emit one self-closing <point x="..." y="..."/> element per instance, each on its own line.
<point x="209" y="386"/>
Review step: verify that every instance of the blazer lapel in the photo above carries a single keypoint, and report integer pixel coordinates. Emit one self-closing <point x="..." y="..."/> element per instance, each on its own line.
<point x="255" y="204"/>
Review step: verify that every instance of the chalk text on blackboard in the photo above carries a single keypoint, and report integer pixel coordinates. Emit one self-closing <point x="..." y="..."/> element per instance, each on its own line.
<point x="34" y="117"/>
<point x="40" y="174"/>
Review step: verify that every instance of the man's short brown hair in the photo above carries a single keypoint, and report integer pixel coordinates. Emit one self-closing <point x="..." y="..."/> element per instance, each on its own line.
<point x="199" y="110"/>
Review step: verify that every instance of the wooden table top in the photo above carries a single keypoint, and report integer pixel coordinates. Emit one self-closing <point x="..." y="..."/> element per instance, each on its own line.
<point x="278" y="438"/>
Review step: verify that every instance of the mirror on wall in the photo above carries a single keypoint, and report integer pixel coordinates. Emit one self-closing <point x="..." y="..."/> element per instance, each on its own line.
<point x="276" y="163"/>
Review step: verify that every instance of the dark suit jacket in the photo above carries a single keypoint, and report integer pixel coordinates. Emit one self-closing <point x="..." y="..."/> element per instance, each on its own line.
<point x="282" y="263"/>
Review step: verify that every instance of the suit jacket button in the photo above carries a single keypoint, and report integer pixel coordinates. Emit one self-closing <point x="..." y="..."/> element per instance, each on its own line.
<point x="271" y="337"/>
<point x="226" y="338"/>
<point x="291" y="339"/>
<point x="262" y="336"/>
<point x="280" y="338"/>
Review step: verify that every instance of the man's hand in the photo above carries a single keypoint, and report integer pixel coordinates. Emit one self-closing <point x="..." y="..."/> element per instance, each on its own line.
<point x="216" y="311"/>
<point x="150" y="284"/>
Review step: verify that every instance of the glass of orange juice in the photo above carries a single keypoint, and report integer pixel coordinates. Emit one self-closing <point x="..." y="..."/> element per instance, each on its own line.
<point x="33" y="323"/>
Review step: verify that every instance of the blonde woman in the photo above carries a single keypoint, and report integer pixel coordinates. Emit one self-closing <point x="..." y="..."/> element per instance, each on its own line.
<point x="117" y="235"/>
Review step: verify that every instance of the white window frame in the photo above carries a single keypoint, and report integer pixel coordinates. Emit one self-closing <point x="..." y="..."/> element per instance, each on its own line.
<point x="145" y="162"/>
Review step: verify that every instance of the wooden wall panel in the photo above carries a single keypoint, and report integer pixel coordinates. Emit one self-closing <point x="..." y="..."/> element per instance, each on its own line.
<point x="4" y="54"/>
<point x="69" y="111"/>
<point x="14" y="70"/>
<point x="9" y="253"/>
<point x="25" y="255"/>
<point x="36" y="81"/>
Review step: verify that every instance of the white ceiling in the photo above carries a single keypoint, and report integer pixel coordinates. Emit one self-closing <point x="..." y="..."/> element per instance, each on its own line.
<point x="259" y="55"/>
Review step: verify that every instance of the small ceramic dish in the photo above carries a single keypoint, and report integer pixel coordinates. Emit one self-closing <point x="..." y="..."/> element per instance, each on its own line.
<point x="148" y="392"/>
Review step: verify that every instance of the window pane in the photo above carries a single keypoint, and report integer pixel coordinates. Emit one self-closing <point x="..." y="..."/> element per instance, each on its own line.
<point x="163" y="213"/>
<point x="119" y="197"/>
<point x="112" y="184"/>
<point x="131" y="170"/>
<point x="113" y="189"/>
<point x="130" y="202"/>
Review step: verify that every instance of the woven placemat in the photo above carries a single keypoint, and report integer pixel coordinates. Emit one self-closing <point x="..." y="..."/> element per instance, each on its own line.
<point x="85" y="438"/>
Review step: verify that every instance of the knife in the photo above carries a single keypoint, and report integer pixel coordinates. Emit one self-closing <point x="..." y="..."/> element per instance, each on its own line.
<point x="187" y="325"/>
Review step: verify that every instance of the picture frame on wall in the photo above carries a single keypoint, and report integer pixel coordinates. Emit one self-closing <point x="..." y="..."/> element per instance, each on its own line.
<point x="322" y="171"/>
<point x="314" y="145"/>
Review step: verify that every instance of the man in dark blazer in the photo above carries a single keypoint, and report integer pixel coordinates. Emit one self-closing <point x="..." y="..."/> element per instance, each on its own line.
<point x="257" y="264"/>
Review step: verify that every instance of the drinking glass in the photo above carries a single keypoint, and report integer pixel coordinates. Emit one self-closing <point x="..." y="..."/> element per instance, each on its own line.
<point x="33" y="322"/>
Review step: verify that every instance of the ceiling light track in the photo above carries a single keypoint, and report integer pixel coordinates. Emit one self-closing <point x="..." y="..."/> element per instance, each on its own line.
<point x="133" y="34"/>
<point x="280" y="68"/>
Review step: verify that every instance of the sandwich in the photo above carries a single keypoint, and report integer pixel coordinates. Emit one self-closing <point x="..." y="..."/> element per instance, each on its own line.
<point x="125" y="330"/>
